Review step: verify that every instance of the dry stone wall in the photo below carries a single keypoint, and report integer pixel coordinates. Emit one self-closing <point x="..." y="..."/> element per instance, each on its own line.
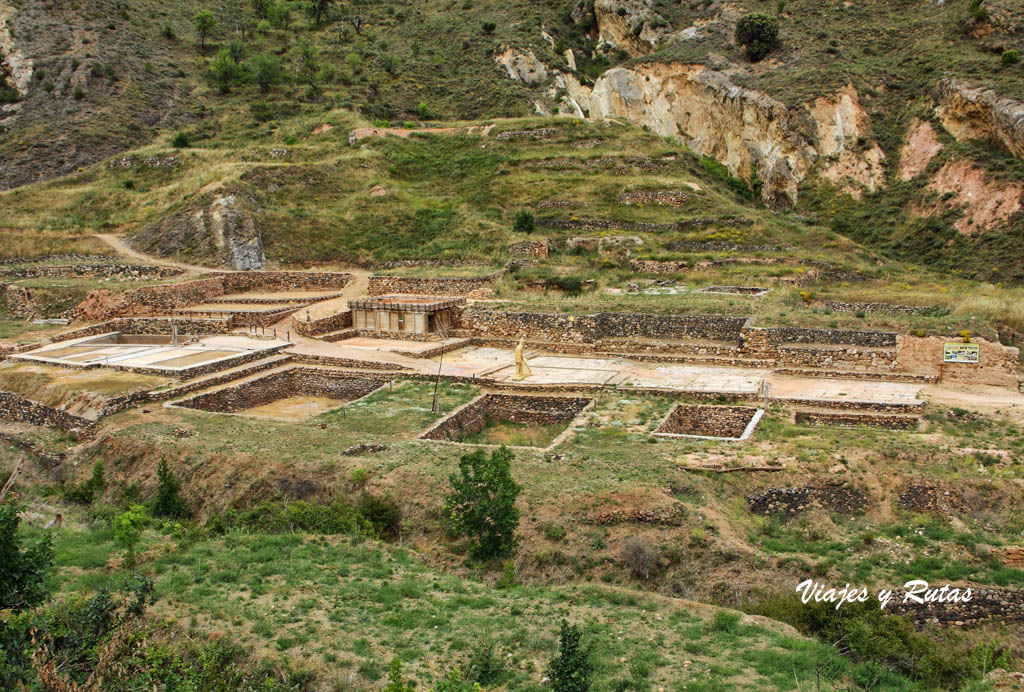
<point x="474" y="416"/>
<point x="837" y="497"/>
<point x="152" y="325"/>
<point x="707" y="421"/>
<point x="108" y="271"/>
<point x="325" y="325"/>
<point x="849" y="420"/>
<point x="264" y="390"/>
<point x="17" y="408"/>
<point x="471" y="287"/>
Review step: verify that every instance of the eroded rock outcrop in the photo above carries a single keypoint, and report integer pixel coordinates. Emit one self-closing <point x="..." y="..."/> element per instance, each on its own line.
<point x="15" y="67"/>
<point x="521" y="65"/>
<point x="919" y="148"/>
<point x="222" y="226"/>
<point x="748" y="131"/>
<point x="986" y="203"/>
<point x="971" y="113"/>
<point x="629" y="25"/>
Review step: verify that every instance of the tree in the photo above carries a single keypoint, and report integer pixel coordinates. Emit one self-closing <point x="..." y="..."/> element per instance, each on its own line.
<point x="128" y="530"/>
<point x="318" y="10"/>
<point x="168" y="502"/>
<point x="237" y="50"/>
<point x="758" y="33"/>
<point x="261" y="8"/>
<point x="489" y="27"/>
<point x="204" y="25"/>
<point x="482" y="504"/>
<point x="571" y="670"/>
<point x="396" y="682"/>
<point x="87" y="491"/>
<point x="225" y="70"/>
<point x="524" y="223"/>
<point x="309" y="69"/>
<point x="23" y="565"/>
<point x="266" y="70"/>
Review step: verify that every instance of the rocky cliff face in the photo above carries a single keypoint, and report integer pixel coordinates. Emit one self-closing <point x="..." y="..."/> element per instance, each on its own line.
<point x="970" y="113"/>
<point x="15" y="67"/>
<point x="629" y="25"/>
<point x="222" y="227"/>
<point x="746" y="130"/>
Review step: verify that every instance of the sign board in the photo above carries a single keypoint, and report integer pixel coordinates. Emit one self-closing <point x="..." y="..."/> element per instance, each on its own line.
<point x="957" y="352"/>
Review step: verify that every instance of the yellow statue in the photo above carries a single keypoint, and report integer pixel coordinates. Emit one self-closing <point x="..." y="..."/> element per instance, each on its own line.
<point x="522" y="367"/>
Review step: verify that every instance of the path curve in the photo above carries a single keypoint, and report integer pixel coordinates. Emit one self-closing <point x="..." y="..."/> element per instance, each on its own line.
<point x="124" y="249"/>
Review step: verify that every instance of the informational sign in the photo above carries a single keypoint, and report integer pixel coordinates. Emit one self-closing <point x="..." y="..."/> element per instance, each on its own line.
<point x="957" y="352"/>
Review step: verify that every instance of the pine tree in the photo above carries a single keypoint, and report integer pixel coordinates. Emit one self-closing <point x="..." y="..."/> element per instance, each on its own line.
<point x="168" y="502"/>
<point x="571" y="670"/>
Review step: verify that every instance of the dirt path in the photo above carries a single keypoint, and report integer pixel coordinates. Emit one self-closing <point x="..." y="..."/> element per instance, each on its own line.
<point x="122" y="248"/>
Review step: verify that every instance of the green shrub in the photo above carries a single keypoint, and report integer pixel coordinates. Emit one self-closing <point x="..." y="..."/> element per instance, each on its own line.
<point x="525" y="221"/>
<point x="24" y="566"/>
<point x="489" y="27"/>
<point x="758" y="33"/>
<point x="180" y="140"/>
<point x="383" y="513"/>
<point x="1010" y="57"/>
<point x="867" y="634"/>
<point x="79" y="94"/>
<point x="485" y="666"/>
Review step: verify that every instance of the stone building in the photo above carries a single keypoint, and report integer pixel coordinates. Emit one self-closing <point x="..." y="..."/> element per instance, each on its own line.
<point x="400" y="314"/>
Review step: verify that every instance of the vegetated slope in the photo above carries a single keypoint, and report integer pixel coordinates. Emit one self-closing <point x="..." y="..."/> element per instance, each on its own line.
<point x="343" y="608"/>
<point x="829" y="108"/>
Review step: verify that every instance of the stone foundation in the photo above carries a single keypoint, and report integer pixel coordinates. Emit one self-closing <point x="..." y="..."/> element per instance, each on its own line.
<point x="17" y="408"/>
<point x="472" y="287"/>
<point x="700" y="421"/>
<point x="280" y="385"/>
<point x="853" y="420"/>
<point x="474" y="416"/>
<point x="836" y="497"/>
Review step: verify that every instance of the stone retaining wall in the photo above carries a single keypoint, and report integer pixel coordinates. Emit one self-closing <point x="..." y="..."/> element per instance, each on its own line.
<point x="707" y="421"/>
<point x="270" y="388"/>
<point x="119" y="271"/>
<point x="850" y="337"/>
<point x="837" y="497"/>
<point x="530" y="249"/>
<point x="850" y="420"/>
<point x="166" y="298"/>
<point x="885" y="308"/>
<point x="324" y="325"/>
<point x="999" y="606"/>
<point x="470" y="287"/>
<point x="152" y="325"/>
<point x="558" y="327"/>
<point x="335" y="361"/>
<point x="18" y="408"/>
<point x="671" y="198"/>
<point x="473" y="417"/>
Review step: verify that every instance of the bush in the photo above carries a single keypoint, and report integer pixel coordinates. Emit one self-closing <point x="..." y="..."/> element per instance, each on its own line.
<point x="180" y="140"/>
<point x="489" y="27"/>
<point x="383" y="513"/>
<point x="1010" y="57"/>
<point x="337" y="517"/>
<point x="24" y="566"/>
<point x="79" y="94"/>
<point x="640" y="556"/>
<point x="758" y="33"/>
<point x="525" y="221"/>
<point x="485" y="666"/>
<point x="868" y="634"/>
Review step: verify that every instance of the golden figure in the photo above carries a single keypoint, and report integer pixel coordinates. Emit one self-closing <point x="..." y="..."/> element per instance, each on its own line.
<point x="522" y="367"/>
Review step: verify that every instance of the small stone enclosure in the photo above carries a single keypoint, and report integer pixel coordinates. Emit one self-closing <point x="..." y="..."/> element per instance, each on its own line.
<point x="710" y="422"/>
<point x="280" y="385"/>
<point x="473" y="417"/>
